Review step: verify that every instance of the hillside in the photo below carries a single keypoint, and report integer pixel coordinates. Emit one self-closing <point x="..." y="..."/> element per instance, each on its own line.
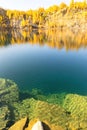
<point x="73" y="16"/>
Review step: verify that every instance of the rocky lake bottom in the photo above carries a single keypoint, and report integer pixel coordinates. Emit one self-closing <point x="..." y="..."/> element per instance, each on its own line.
<point x="59" y="111"/>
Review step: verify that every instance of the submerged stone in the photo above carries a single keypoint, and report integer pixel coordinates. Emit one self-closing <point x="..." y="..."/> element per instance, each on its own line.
<point x="4" y="116"/>
<point x="76" y="105"/>
<point x="54" y="114"/>
<point x="59" y="112"/>
<point x="8" y="91"/>
<point x="8" y="94"/>
<point x="72" y="114"/>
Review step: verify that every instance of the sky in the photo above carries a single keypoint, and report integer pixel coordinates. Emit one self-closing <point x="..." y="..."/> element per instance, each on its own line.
<point x="30" y="4"/>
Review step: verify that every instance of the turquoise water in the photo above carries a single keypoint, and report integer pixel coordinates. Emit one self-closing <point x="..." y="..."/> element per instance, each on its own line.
<point x="45" y="68"/>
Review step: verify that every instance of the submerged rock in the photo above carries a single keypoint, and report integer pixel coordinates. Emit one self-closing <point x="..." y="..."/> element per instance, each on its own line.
<point x="57" y="112"/>
<point x="8" y="94"/>
<point x="54" y="114"/>
<point x="8" y="91"/>
<point x="72" y="114"/>
<point x="4" y="116"/>
<point x="76" y="106"/>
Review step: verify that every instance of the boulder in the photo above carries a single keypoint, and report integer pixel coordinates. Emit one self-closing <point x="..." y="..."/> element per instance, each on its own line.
<point x="19" y="125"/>
<point x="37" y="126"/>
<point x="34" y="124"/>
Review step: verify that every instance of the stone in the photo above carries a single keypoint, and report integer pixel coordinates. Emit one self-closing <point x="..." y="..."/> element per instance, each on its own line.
<point x="19" y="125"/>
<point x="34" y="124"/>
<point x="37" y="126"/>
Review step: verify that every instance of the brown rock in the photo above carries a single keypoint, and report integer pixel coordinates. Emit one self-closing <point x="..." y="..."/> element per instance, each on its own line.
<point x="45" y="124"/>
<point x="24" y="124"/>
<point x="19" y="125"/>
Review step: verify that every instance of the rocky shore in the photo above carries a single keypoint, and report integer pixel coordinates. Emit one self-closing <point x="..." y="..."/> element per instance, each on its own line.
<point x="54" y="111"/>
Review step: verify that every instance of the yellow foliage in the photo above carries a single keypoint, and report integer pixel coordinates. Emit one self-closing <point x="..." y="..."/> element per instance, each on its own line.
<point x="52" y="9"/>
<point x="62" y="5"/>
<point x="23" y="23"/>
<point x="0" y="19"/>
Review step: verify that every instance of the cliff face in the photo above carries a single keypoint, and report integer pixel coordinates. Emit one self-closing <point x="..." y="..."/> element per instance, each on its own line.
<point x="74" y="16"/>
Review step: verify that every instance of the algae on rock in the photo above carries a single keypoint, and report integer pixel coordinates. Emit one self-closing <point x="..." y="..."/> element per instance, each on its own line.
<point x="4" y="116"/>
<point x="54" y="114"/>
<point x="69" y="111"/>
<point x="8" y="91"/>
<point x="8" y="94"/>
<point x="76" y="105"/>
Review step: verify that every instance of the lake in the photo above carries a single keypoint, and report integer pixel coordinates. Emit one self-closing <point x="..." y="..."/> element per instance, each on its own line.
<point x="53" y="61"/>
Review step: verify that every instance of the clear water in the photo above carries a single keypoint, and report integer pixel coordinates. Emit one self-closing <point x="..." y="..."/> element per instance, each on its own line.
<point x="50" y="69"/>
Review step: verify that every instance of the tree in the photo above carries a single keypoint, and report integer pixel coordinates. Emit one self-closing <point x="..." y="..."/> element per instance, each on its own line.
<point x="62" y="5"/>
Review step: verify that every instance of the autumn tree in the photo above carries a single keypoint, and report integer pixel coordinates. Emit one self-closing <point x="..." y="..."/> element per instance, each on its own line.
<point x="62" y="5"/>
<point x="52" y="9"/>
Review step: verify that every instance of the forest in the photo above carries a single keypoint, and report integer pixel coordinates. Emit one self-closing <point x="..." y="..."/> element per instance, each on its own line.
<point x="56" y="16"/>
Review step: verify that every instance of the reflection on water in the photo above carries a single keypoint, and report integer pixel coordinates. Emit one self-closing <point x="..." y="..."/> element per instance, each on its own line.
<point x="41" y="67"/>
<point x="54" y="38"/>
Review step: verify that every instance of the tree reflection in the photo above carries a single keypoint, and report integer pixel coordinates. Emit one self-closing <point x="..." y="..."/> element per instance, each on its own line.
<point x="53" y="38"/>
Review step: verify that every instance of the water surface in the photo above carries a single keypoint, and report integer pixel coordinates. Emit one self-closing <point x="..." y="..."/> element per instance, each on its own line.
<point x="43" y="66"/>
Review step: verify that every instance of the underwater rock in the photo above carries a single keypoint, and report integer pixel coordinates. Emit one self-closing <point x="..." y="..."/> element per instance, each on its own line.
<point x="8" y="94"/>
<point x="72" y="114"/>
<point x="76" y="105"/>
<point x="19" y="125"/>
<point x="8" y="91"/>
<point x="57" y="112"/>
<point x="56" y="98"/>
<point x="4" y="116"/>
<point x="54" y="114"/>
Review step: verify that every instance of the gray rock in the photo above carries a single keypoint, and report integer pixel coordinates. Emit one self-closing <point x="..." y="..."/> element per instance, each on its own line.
<point x="38" y="126"/>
